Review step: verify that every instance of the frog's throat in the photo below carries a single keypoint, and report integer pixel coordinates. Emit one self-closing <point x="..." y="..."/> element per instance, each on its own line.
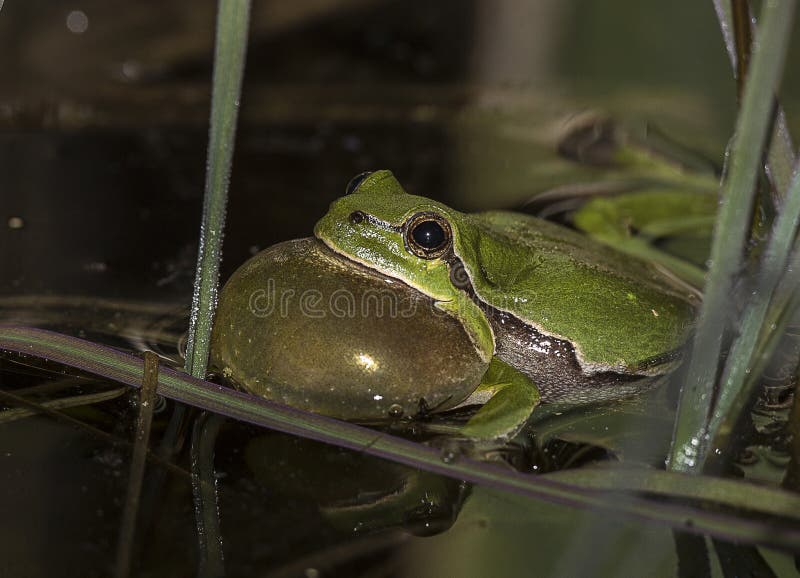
<point x="484" y="343"/>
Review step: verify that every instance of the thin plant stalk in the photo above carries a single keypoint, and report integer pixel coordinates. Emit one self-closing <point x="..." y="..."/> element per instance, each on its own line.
<point x="773" y="265"/>
<point x="229" y="57"/>
<point x="730" y="234"/>
<point x="781" y="156"/>
<point x="204" y="492"/>
<point x="147" y="399"/>
<point x="743" y="41"/>
<point x="782" y="310"/>
<point x="9" y="415"/>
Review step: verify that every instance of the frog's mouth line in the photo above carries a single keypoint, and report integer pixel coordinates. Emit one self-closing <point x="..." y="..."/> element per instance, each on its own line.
<point x="372" y="270"/>
<point x="332" y="253"/>
<point x="458" y="273"/>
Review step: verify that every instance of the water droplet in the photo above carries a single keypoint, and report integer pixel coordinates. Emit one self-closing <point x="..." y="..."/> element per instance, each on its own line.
<point x="448" y="456"/>
<point x="77" y="22"/>
<point x="131" y="70"/>
<point x="395" y="410"/>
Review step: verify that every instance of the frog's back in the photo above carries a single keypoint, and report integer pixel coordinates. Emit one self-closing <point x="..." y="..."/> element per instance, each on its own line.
<point x="619" y="312"/>
<point x="538" y="235"/>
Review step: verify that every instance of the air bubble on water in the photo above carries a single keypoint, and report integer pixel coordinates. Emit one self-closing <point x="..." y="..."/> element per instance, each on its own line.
<point x="77" y="22"/>
<point x="395" y="410"/>
<point x="448" y="456"/>
<point x="131" y="70"/>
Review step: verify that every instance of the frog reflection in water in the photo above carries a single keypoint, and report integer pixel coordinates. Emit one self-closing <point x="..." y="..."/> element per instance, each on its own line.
<point x="509" y="310"/>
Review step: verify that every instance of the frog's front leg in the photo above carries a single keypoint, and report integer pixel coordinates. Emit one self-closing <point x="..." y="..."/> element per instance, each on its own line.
<point x="510" y="399"/>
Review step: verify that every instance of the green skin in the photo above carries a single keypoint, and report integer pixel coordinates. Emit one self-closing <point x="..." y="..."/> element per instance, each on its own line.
<point x="620" y="316"/>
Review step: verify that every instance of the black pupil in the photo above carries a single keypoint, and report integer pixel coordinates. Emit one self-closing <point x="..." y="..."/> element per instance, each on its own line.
<point x="429" y="235"/>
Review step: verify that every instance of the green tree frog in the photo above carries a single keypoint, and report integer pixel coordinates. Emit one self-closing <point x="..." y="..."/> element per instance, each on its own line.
<point x="520" y="311"/>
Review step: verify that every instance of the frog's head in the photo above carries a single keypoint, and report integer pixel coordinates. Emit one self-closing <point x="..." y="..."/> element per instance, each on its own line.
<point x="384" y="228"/>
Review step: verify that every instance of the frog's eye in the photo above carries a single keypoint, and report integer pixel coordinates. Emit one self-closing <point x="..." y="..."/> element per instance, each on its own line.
<point x="355" y="182"/>
<point x="428" y="235"/>
<point x="357" y="217"/>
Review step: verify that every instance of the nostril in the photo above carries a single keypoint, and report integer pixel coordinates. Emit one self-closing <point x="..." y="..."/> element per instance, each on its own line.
<point x="356" y="217"/>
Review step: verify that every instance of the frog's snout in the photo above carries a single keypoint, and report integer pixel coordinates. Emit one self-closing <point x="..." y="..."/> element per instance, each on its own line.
<point x="322" y="228"/>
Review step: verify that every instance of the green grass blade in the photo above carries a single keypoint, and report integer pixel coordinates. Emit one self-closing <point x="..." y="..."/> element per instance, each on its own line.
<point x="740" y="358"/>
<point x="767" y="501"/>
<point x="204" y="492"/>
<point x="781" y="312"/>
<point x="231" y="46"/>
<point x="778" y="524"/>
<point x="781" y="157"/>
<point x="730" y="233"/>
<point x="233" y="17"/>
<point x="144" y="421"/>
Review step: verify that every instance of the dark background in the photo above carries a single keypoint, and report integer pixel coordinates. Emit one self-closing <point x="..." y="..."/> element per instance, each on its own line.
<point x="102" y="132"/>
